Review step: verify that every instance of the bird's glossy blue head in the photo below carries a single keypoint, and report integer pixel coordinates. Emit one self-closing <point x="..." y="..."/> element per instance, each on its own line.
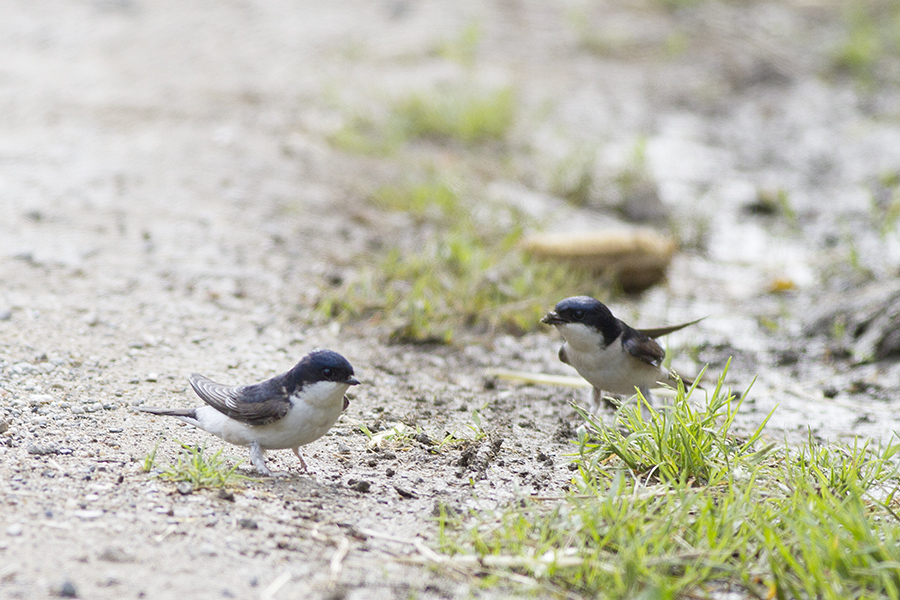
<point x="324" y="365"/>
<point x="586" y="311"/>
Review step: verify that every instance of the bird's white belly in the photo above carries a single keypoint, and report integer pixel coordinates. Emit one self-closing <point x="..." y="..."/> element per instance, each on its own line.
<point x="613" y="370"/>
<point x="305" y="422"/>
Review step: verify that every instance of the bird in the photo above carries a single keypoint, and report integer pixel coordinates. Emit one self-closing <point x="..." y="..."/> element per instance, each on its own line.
<point x="611" y="355"/>
<point x="287" y="411"/>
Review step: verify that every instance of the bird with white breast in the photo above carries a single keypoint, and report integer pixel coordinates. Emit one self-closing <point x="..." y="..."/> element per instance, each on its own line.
<point x="609" y="354"/>
<point x="287" y="411"/>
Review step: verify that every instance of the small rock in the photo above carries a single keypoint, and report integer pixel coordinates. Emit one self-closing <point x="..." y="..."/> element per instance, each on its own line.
<point x="87" y="515"/>
<point x="67" y="590"/>
<point x="22" y="368"/>
<point x="225" y="495"/>
<point x="389" y="472"/>
<point x="184" y="488"/>
<point x="423" y="439"/>
<point x="116" y="430"/>
<point x="38" y="399"/>
<point x="828" y="392"/>
<point x="116" y="554"/>
<point x="14" y="530"/>
<point x="77" y="410"/>
<point x="248" y="524"/>
<point x="5" y="314"/>
<point x="787" y="357"/>
<point x="36" y="450"/>
<point x="207" y="549"/>
<point x="4" y="426"/>
<point x="152" y="377"/>
<point x="405" y="493"/>
<point x="359" y="485"/>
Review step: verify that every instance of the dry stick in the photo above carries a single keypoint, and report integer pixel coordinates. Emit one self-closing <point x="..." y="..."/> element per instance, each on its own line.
<point x="463" y="564"/>
<point x="276" y="585"/>
<point x="476" y="560"/>
<point x="337" y="559"/>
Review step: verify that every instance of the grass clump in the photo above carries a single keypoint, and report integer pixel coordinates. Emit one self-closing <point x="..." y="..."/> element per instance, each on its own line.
<point x="676" y="444"/>
<point x="461" y="115"/>
<point x="871" y="46"/>
<point x="465" y="271"/>
<point x="464" y="47"/>
<point x="675" y="505"/>
<point x="365" y="135"/>
<point x="200" y="470"/>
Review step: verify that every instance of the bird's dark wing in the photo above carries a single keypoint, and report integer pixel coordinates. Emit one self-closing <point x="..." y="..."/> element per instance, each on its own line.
<point x="258" y="404"/>
<point x="562" y="355"/>
<point x="661" y="331"/>
<point x="642" y="346"/>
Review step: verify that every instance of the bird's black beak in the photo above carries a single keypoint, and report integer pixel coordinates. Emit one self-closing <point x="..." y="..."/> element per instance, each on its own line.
<point x="551" y="318"/>
<point x="351" y="381"/>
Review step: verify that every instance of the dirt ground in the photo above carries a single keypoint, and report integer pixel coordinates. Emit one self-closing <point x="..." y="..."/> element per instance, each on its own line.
<point x="169" y="203"/>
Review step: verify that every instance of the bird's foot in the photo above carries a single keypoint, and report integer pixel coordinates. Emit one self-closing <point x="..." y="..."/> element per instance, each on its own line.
<point x="258" y="460"/>
<point x="302" y="462"/>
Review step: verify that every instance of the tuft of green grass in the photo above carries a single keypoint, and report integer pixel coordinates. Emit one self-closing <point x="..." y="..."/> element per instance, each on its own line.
<point x="678" y="443"/>
<point x="466" y="273"/>
<point x="461" y="114"/>
<point x="464" y="47"/>
<point x="435" y="199"/>
<point x="150" y="460"/>
<point x="573" y="177"/>
<point x="885" y="203"/>
<point x="871" y="42"/>
<point x="202" y="471"/>
<point x="365" y="135"/>
<point x="676" y="505"/>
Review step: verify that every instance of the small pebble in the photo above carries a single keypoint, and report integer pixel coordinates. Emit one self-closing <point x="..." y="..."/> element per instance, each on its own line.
<point x="36" y="450"/>
<point x="184" y="488"/>
<point x="151" y="377"/>
<point x="404" y="493"/>
<point x="248" y="524"/>
<point x="67" y="590"/>
<point x="22" y="368"/>
<point x="14" y="530"/>
<point x="116" y="430"/>
<point x="87" y="515"/>
<point x="4" y="426"/>
<point x="5" y="314"/>
<point x="116" y="554"/>
<point x="359" y="485"/>
<point x="226" y="495"/>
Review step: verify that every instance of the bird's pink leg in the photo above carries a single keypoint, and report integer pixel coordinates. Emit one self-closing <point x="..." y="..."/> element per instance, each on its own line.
<point x="302" y="462"/>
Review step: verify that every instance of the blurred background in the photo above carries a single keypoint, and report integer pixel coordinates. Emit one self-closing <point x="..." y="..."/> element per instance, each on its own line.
<point x="300" y="172"/>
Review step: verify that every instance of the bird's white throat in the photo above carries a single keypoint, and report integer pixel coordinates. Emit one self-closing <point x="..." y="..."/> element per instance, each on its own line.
<point x="581" y="337"/>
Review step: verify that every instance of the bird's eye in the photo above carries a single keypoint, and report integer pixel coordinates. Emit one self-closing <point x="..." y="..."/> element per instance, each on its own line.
<point x="579" y="314"/>
<point x="327" y="372"/>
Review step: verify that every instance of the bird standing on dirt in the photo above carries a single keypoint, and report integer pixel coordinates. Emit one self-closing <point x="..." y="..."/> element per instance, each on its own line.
<point x="609" y="354"/>
<point x="287" y="411"/>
